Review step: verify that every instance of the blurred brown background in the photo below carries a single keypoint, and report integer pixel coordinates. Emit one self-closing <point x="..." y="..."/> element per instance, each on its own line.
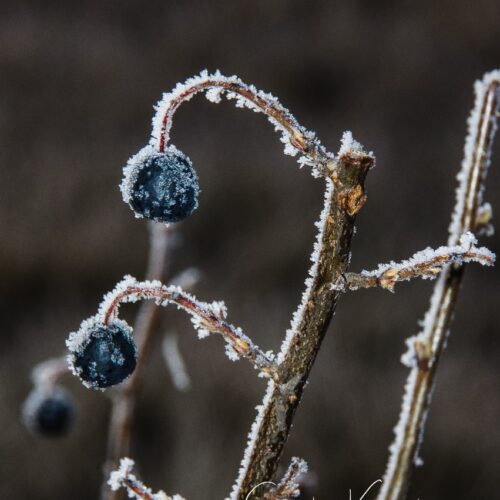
<point x="77" y="85"/>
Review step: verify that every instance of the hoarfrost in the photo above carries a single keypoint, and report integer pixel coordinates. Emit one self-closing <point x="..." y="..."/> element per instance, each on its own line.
<point x="297" y="315"/>
<point x="465" y="251"/>
<point x="123" y="477"/>
<point x="215" y="87"/>
<point x="252" y="437"/>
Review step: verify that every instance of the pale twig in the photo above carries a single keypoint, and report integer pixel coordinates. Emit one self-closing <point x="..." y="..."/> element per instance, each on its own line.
<point x="426" y="264"/>
<point x="162" y="241"/>
<point x="426" y="348"/>
<point x="206" y="318"/>
<point x="47" y="373"/>
<point x="272" y="425"/>
<point x="123" y="478"/>
<point x="174" y="362"/>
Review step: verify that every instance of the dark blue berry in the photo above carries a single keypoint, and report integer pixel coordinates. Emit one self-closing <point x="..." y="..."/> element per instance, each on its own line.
<point x="49" y="412"/>
<point x="164" y="187"/>
<point x="103" y="355"/>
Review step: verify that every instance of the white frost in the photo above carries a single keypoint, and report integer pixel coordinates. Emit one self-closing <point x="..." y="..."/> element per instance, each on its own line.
<point x="471" y="163"/>
<point x="211" y="84"/>
<point x="252" y="437"/>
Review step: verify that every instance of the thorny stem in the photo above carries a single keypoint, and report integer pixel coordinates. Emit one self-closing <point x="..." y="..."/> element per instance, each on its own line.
<point x="272" y="426"/>
<point x="428" y="346"/>
<point x="389" y="274"/>
<point x="206" y="316"/>
<point x="299" y="138"/>
<point x="123" y="402"/>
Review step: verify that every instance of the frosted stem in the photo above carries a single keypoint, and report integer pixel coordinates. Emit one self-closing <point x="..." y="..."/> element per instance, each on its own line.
<point x="123" y="478"/>
<point x="289" y="484"/>
<point x="271" y="428"/>
<point x="426" y="264"/>
<point x="426" y="348"/>
<point x="206" y="318"/>
<point x="295" y="137"/>
<point x="162" y="240"/>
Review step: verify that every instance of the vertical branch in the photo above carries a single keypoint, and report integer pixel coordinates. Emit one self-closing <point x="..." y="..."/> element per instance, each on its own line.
<point x="426" y="348"/>
<point x="123" y="402"/>
<point x="343" y="199"/>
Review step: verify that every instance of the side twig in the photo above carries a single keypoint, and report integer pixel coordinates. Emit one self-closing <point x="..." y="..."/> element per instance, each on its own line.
<point x="123" y="478"/>
<point x="426" y="264"/>
<point x="425" y="349"/>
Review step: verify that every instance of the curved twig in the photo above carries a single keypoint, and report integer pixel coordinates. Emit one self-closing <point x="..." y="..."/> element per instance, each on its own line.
<point x="296" y="138"/>
<point x="206" y="318"/>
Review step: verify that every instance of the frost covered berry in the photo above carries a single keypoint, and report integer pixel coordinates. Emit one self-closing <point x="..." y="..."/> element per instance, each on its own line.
<point x="48" y="411"/>
<point x="102" y="355"/>
<point x="161" y="186"/>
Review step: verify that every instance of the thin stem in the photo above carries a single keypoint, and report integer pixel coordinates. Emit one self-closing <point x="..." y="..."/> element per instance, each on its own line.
<point x="296" y="137"/>
<point x="206" y="318"/>
<point x="123" y="478"/>
<point x="425" y="349"/>
<point x="272" y="426"/>
<point x="123" y="403"/>
<point x="426" y="264"/>
<point x="289" y="486"/>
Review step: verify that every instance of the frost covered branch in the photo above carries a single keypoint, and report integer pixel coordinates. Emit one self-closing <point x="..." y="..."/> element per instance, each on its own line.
<point x="296" y="138"/>
<point x="206" y="318"/>
<point x="289" y="484"/>
<point x="426" y="264"/>
<point x="425" y="349"/>
<point x="123" y="478"/>
<point x="330" y="260"/>
<point x="162" y="241"/>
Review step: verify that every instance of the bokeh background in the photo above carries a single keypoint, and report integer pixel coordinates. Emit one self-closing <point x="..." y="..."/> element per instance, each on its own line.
<point x="77" y="85"/>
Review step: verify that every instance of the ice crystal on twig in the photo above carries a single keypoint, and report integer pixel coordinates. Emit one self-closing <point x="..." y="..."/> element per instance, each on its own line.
<point x="206" y="317"/>
<point x="123" y="478"/>
<point x="425" y="264"/>
<point x="289" y="485"/>
<point x="297" y="140"/>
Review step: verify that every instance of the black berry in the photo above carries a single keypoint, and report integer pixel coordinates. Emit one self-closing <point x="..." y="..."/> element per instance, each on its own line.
<point x="161" y="186"/>
<point x="102" y="355"/>
<point x="49" y="412"/>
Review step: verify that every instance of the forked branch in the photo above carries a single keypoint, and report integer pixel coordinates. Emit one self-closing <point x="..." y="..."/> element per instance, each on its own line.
<point x="425" y="349"/>
<point x="123" y="478"/>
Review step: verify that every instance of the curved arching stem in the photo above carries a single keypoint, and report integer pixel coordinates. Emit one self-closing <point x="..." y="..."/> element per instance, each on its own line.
<point x="297" y="139"/>
<point x="206" y="318"/>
